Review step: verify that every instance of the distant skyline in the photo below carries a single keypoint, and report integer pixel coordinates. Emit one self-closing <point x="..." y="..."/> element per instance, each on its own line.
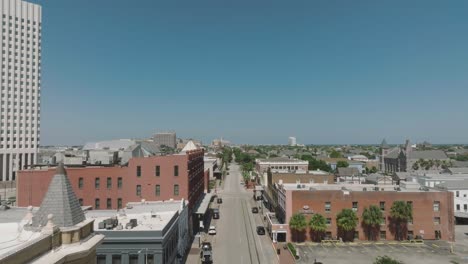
<point x="326" y="72"/>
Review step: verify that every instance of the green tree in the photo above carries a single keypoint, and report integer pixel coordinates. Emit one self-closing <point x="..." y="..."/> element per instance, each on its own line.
<point x="318" y="227"/>
<point x="335" y="154"/>
<point x="297" y="224"/>
<point x="400" y="213"/>
<point x="386" y="260"/>
<point x="373" y="170"/>
<point x="347" y="221"/>
<point x="315" y="164"/>
<point x="372" y="218"/>
<point x="342" y="164"/>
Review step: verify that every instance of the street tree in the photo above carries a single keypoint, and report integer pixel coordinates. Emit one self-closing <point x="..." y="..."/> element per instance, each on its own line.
<point x="400" y="213"/>
<point x="342" y="164"/>
<point x="372" y="218"/>
<point x="318" y="227"/>
<point x="347" y="221"/>
<point x="297" y="224"/>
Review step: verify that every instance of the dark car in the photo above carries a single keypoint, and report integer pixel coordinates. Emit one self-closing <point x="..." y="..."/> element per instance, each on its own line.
<point x="220" y="200"/>
<point x="260" y="230"/>
<point x="215" y="213"/>
<point x="254" y="210"/>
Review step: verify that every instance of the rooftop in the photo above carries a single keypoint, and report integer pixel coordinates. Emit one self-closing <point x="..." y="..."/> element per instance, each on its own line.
<point x="283" y="160"/>
<point x="409" y="187"/>
<point x="149" y="215"/>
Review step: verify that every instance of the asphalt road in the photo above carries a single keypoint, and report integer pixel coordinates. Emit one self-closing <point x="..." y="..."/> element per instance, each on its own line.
<point x="236" y="240"/>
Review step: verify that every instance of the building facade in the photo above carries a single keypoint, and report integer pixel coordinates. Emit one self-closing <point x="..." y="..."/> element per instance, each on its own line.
<point x="160" y="234"/>
<point x="156" y="178"/>
<point x="433" y="211"/>
<point x="20" y="81"/>
<point x="280" y="163"/>
<point x="168" y="139"/>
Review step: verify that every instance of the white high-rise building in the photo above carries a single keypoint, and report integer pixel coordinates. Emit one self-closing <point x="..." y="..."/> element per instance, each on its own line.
<point x="292" y="141"/>
<point x="20" y="81"/>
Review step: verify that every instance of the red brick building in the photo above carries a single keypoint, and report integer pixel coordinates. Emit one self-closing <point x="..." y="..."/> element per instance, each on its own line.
<point x="433" y="211"/>
<point x="152" y="178"/>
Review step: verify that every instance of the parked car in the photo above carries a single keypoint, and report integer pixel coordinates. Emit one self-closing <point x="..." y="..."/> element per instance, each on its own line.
<point x="254" y="210"/>
<point x="215" y="213"/>
<point x="212" y="230"/>
<point x="220" y="200"/>
<point x="206" y="253"/>
<point x="260" y="230"/>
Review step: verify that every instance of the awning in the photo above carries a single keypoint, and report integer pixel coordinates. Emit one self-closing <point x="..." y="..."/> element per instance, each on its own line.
<point x="204" y="204"/>
<point x="461" y="215"/>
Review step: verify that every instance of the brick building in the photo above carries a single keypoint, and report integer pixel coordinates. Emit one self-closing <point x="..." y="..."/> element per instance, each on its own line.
<point x="155" y="178"/>
<point x="433" y="211"/>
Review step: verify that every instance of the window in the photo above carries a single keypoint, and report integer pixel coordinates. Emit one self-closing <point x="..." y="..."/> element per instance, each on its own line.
<point x="436" y="220"/>
<point x="138" y="190"/>
<point x="176" y="190"/>
<point x="97" y="183"/>
<point x="109" y="183"/>
<point x="328" y="221"/>
<point x="327" y="206"/>
<point x="157" y="190"/>
<point x="436" y="206"/>
<point x="410" y="221"/>
<point x="119" y="182"/>
<point x="356" y="234"/>
<point x="80" y="201"/>
<point x="176" y="170"/>
<point x="158" y="171"/>
<point x="355" y="206"/>
<point x="383" y="235"/>
<point x="465" y="207"/>
<point x="109" y="203"/>
<point x="457" y="194"/>
<point x="80" y="183"/>
<point x="382" y="206"/>
<point x="458" y="207"/>
<point x="138" y="171"/>
<point x="97" y="203"/>
<point x="119" y="203"/>
<point x="384" y="221"/>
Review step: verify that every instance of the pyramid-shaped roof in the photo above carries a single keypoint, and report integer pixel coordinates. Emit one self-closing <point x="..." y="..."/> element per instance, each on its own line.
<point x="189" y="146"/>
<point x="384" y="144"/>
<point x="61" y="201"/>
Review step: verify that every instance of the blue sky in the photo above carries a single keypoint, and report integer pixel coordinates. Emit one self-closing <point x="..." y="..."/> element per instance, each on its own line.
<point x="255" y="71"/>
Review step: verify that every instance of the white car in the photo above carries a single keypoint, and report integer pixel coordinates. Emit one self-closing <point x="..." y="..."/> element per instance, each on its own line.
<point x="212" y="230"/>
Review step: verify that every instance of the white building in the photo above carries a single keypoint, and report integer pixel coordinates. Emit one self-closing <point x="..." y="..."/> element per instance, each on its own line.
<point x="459" y="188"/>
<point x="20" y="85"/>
<point x="292" y="141"/>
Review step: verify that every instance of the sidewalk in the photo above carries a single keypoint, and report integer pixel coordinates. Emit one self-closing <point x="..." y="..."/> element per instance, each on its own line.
<point x="285" y="256"/>
<point x="193" y="256"/>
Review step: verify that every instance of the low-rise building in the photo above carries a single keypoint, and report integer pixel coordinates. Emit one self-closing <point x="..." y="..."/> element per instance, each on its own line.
<point x="56" y="232"/>
<point x="459" y="188"/>
<point x="280" y="163"/>
<point x="144" y="232"/>
<point x="433" y="210"/>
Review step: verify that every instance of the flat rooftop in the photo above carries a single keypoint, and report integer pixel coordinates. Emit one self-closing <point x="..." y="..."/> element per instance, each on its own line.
<point x="149" y="215"/>
<point x="300" y="172"/>
<point x="408" y="187"/>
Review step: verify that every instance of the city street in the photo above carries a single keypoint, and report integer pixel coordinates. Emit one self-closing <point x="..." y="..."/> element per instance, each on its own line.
<point x="236" y="240"/>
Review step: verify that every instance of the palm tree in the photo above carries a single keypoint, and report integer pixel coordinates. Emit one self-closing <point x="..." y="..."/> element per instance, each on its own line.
<point x="297" y="224"/>
<point x="347" y="221"/>
<point x="400" y="213"/>
<point x="372" y="219"/>
<point x="318" y="226"/>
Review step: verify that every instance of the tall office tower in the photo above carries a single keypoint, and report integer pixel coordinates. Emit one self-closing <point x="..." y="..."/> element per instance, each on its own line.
<point x="292" y="141"/>
<point x="166" y="138"/>
<point x="20" y="81"/>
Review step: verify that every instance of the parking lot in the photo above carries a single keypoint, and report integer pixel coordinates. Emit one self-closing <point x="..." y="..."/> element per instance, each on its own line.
<point x="361" y="253"/>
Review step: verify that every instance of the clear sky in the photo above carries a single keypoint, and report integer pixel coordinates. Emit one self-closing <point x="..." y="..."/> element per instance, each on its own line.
<point x="255" y="71"/>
